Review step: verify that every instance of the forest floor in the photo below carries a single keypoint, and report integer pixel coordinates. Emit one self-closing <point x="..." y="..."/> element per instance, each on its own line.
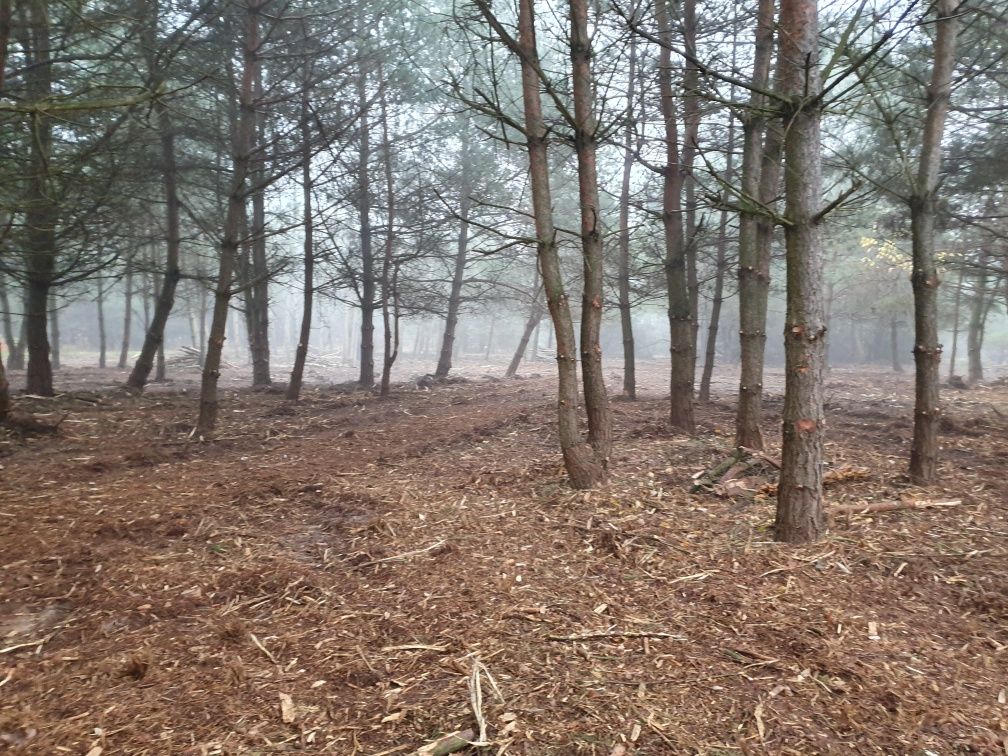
<point x="358" y="575"/>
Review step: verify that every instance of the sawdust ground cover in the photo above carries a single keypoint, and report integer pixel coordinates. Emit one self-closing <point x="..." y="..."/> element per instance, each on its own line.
<point x="357" y="575"/>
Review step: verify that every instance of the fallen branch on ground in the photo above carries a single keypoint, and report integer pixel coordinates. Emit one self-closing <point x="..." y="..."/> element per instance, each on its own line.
<point x="890" y="506"/>
<point x="614" y="634"/>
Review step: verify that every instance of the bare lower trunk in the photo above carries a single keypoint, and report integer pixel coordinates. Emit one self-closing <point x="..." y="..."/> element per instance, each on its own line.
<point x="8" y="324"/>
<point x="153" y="344"/>
<point x="923" y="206"/>
<point x="584" y="466"/>
<point x="40" y="212"/>
<point x="626" y="314"/>
<point x="978" y="311"/>
<point x="389" y="293"/>
<point x="458" y="276"/>
<point x="366" y="377"/>
<point x="297" y="372"/>
<point x="755" y="235"/>
<point x="800" y="514"/>
<point x="955" y="324"/>
<point x="531" y="325"/>
<point x="679" y="308"/>
<point x="585" y="128"/>
<point x="102" y="343"/>
<point x="897" y="365"/>
<point x="127" y="315"/>
<point x="232" y="226"/>
<point x="717" y="296"/>
<point x="5" y="402"/>
<point x="54" y="332"/>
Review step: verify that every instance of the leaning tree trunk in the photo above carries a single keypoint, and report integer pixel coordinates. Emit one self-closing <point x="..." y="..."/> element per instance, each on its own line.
<point x="458" y="276"/>
<point x="923" y="208"/>
<point x="755" y="235"/>
<point x="531" y="326"/>
<point x="301" y="355"/>
<point x="366" y="378"/>
<point x="244" y="138"/>
<point x="154" y="338"/>
<point x="978" y="311"/>
<point x="40" y="214"/>
<point x="626" y="313"/>
<point x="800" y="514"/>
<point x="679" y="308"/>
<point x="585" y="129"/>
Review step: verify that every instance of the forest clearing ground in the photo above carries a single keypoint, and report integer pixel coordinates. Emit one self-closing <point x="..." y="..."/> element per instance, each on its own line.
<point x="324" y="578"/>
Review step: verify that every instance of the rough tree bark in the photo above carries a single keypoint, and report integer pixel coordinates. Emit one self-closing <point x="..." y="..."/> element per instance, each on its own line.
<point x="8" y="324"/>
<point x="690" y="146"/>
<point x="679" y="310"/>
<point x="154" y="338"/>
<point x="461" y="252"/>
<point x="39" y="210"/>
<point x="584" y="466"/>
<point x="923" y="206"/>
<point x="244" y="139"/>
<point x="366" y="377"/>
<point x="54" y="331"/>
<point x="5" y="403"/>
<point x="626" y="314"/>
<point x="800" y="514"/>
<point x="760" y="171"/>
<point x="585" y="140"/>
<point x="297" y="372"/>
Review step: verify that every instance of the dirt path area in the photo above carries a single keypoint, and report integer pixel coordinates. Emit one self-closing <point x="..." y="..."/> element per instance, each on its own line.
<point x="342" y="576"/>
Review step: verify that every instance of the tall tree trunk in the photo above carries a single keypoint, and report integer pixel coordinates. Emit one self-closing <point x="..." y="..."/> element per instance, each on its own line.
<point x="366" y="378"/>
<point x="626" y="313"/>
<point x="531" y="324"/>
<point x="585" y="140"/>
<point x="8" y="324"/>
<point x="244" y="139"/>
<point x="800" y="514"/>
<point x="127" y="315"/>
<point x="923" y="208"/>
<point x="897" y="365"/>
<point x="679" y="307"/>
<point x="461" y="252"/>
<point x="717" y="297"/>
<point x="955" y="323"/>
<point x="978" y="312"/>
<point x="691" y="132"/>
<point x="154" y="338"/>
<point x="40" y="214"/>
<point x="54" y="331"/>
<point x="584" y="466"/>
<point x="489" y="344"/>
<point x="259" y="346"/>
<point x="5" y="402"/>
<point x="297" y="372"/>
<point x="760" y="177"/>
<point x="102" y="342"/>
<point x="388" y="287"/>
